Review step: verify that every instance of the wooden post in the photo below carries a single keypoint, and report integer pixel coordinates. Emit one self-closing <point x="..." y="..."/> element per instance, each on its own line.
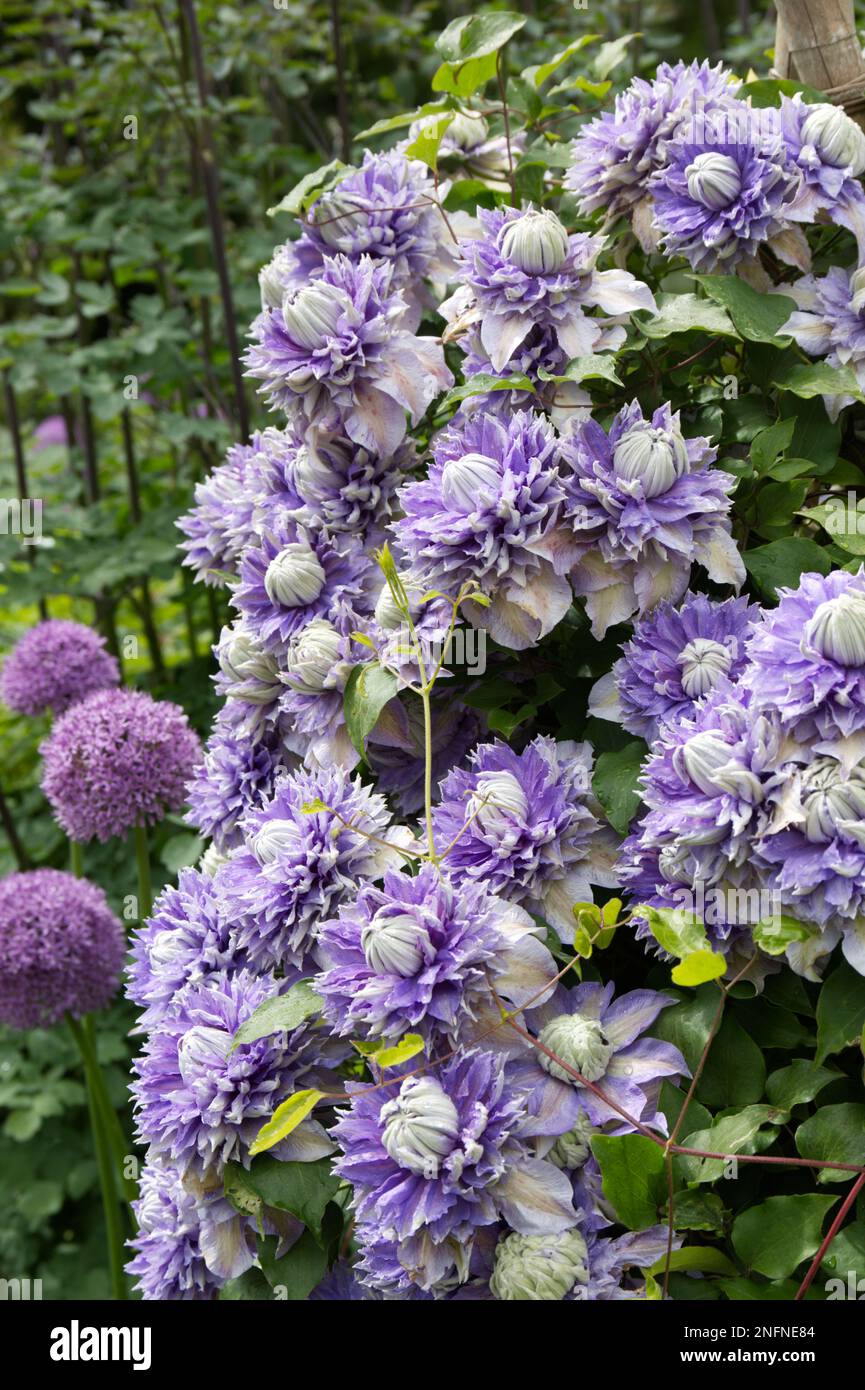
<point x="816" y="43"/>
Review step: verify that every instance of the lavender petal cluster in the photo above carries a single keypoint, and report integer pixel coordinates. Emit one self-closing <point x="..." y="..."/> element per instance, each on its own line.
<point x="54" y="665"/>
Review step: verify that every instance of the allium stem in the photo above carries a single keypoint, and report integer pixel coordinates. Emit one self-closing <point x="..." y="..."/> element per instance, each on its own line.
<point x="76" y="858"/>
<point x="111" y="1209"/>
<point x="142" y="860"/>
<point x="116" y="1138"/>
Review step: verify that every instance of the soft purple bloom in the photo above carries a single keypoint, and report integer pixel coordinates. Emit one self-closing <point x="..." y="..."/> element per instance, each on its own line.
<point x="297" y="864"/>
<point x="602" y="1038"/>
<point x="707" y="787"/>
<point x="420" y="953"/>
<point x="526" y="272"/>
<point x="61" y="948"/>
<point x="563" y="401"/>
<point x="437" y="1156"/>
<point x="616" y="153"/>
<point x="676" y="656"/>
<point x="117" y="759"/>
<point x="337" y="348"/>
<point x="396" y="751"/>
<point x="520" y="823"/>
<point x="294" y="575"/>
<point x="643" y="505"/>
<point x="487" y="514"/>
<point x="727" y="189"/>
<point x="185" y="941"/>
<point x="612" y="1262"/>
<point x="250" y="678"/>
<point x="200" y="1101"/>
<point x="830" y="323"/>
<point x="317" y="664"/>
<point x="220" y="523"/>
<point x="54" y="665"/>
<point x="807" y="658"/>
<point x="238" y="774"/>
<point x="188" y="1242"/>
<point x="50" y="431"/>
<point x="828" y="149"/>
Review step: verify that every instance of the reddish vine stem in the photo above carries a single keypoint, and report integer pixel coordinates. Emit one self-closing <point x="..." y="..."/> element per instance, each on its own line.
<point x="830" y="1236"/>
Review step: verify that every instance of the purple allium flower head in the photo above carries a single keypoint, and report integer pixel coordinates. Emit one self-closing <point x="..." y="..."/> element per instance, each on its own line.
<point x="488" y="513"/>
<point x="707" y="786"/>
<point x="438" y="1155"/>
<point x="676" y="656"/>
<point x="830" y="323"/>
<point x="527" y="272"/>
<point x="616" y="153"/>
<point x="602" y="1038"/>
<point x="61" y="948"/>
<point x="295" y="575"/>
<point x="296" y="865"/>
<point x="644" y="503"/>
<point x="54" y="665"/>
<point x="398" y="763"/>
<point x="117" y="759"/>
<point x="337" y="348"/>
<point x="238" y="774"/>
<point x="200" y="1101"/>
<point x="50" y="431"/>
<point x="828" y="148"/>
<point x="388" y="209"/>
<point x="420" y="953"/>
<point x="185" y="941"/>
<point x="807" y="658"/>
<point x="220" y="523"/>
<point x="726" y="190"/>
<point x="520" y="823"/>
<point x="168" y="1262"/>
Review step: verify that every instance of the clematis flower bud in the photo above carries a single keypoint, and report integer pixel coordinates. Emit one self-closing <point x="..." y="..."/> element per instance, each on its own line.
<point x="387" y="614"/>
<point x="311" y="314"/>
<point x="836" y="137"/>
<point x="701" y="758"/>
<point x="470" y="484"/>
<point x="539" y="1268"/>
<point x="573" y="1148"/>
<point x="703" y="663"/>
<point x="201" y="1050"/>
<point x="312" y="654"/>
<point x="579" y="1041"/>
<point x="421" y="1126"/>
<point x="294" y="578"/>
<point x="499" y="800"/>
<point x="466" y="130"/>
<point x="273" y="277"/>
<point x="251" y="673"/>
<point x="837" y="629"/>
<point x="274" y="839"/>
<point x="536" y="242"/>
<point x="714" y="179"/>
<point x="830" y="801"/>
<point x="654" y="456"/>
<point x="857" y="290"/>
<point x="396" y="944"/>
<point x="335" y="216"/>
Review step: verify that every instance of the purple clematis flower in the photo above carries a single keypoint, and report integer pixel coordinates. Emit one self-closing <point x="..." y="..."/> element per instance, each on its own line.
<point x="643" y="505"/>
<point x="828" y="148"/>
<point x="239" y="772"/>
<point x="337" y="351"/>
<point x="830" y="323"/>
<point x="221" y="523"/>
<point x="676" y="656"/>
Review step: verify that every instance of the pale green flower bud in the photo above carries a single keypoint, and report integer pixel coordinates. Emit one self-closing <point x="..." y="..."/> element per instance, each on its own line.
<point x="335" y="216"/>
<point x="703" y="663"/>
<point x="387" y="614"/>
<point x="212" y="860"/>
<point x="655" y="457"/>
<point x="837" y="629"/>
<point x="536" y="242"/>
<point x="421" y="1126"/>
<point x="714" y="180"/>
<point x="465" y="131"/>
<point x="294" y="578"/>
<point x="829" y="801"/>
<point x="572" y="1149"/>
<point x="273" y="277"/>
<point x="703" y="756"/>
<point x="311" y="314"/>
<point x="312" y="655"/>
<point x="470" y="484"/>
<point x="579" y="1041"/>
<point x="396" y="944"/>
<point x="857" y="290"/>
<point x="275" y="838"/>
<point x="539" y="1269"/>
<point x="252" y="673"/>
<point x="202" y="1049"/>
<point x="837" y="139"/>
<point x="499" y="800"/>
